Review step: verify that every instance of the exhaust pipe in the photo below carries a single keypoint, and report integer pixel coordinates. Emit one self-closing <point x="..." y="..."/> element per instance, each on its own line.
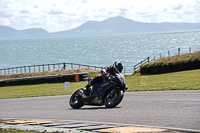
<point x="80" y="92"/>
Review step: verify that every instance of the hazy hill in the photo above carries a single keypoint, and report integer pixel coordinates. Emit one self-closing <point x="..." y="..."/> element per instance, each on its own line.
<point x="10" y="33"/>
<point x="116" y="25"/>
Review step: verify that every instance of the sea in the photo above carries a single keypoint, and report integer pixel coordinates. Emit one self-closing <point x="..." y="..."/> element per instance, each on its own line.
<point x="101" y="51"/>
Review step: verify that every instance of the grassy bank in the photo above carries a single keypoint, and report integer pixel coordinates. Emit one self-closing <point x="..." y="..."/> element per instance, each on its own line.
<point x="171" y="81"/>
<point x="178" y="59"/>
<point x="46" y="73"/>
<point x="188" y="61"/>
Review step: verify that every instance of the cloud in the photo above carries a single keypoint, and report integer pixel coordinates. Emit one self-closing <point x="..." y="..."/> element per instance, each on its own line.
<point x="55" y="12"/>
<point x="177" y="7"/>
<point x="24" y="11"/>
<point x="60" y="15"/>
<point x="165" y="11"/>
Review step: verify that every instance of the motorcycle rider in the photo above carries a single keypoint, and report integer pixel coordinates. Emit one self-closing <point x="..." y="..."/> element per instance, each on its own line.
<point x="117" y="67"/>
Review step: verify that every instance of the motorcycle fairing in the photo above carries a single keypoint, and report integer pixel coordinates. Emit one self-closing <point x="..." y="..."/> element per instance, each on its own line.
<point x="97" y="97"/>
<point x="96" y="91"/>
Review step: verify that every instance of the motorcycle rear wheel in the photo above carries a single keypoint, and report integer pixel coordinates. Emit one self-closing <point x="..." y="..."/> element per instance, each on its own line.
<point x="113" y="98"/>
<point x="76" y="101"/>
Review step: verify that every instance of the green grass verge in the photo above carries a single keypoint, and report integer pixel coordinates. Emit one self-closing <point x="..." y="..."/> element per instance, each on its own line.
<point x="184" y="80"/>
<point x="38" y="90"/>
<point x="47" y="89"/>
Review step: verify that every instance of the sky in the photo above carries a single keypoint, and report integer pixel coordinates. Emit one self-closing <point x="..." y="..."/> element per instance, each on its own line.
<point x="62" y="15"/>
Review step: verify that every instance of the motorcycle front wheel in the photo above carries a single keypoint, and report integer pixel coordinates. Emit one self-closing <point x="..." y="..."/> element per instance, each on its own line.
<point x="76" y="101"/>
<point x="113" y="98"/>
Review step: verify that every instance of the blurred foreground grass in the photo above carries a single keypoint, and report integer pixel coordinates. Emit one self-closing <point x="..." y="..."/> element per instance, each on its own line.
<point x="16" y="131"/>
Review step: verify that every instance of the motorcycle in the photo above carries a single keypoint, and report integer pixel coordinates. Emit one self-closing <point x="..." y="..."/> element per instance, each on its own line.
<point x="109" y="92"/>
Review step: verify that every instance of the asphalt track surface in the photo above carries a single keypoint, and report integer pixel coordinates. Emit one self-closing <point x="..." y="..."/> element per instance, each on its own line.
<point x="174" y="109"/>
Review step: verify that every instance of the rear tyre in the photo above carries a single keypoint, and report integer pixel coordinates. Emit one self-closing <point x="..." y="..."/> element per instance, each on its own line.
<point x="113" y="98"/>
<point x="76" y="101"/>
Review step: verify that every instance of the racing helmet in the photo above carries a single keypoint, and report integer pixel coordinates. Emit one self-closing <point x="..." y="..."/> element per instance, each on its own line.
<point x="118" y="66"/>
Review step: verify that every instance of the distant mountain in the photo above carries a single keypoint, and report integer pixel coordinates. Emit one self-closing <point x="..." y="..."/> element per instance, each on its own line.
<point x="120" y="25"/>
<point x="10" y="33"/>
<point x="116" y="25"/>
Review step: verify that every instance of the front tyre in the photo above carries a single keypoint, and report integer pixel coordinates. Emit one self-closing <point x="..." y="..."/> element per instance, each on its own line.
<point x="113" y="98"/>
<point x="76" y="101"/>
